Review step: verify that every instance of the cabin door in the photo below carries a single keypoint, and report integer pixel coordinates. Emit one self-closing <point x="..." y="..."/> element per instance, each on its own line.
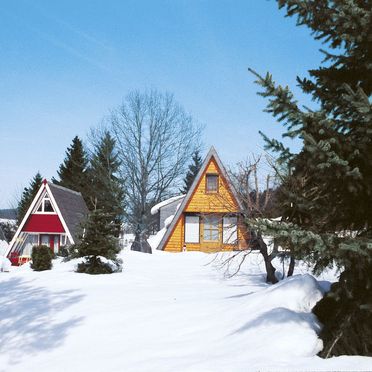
<point x="51" y="241"/>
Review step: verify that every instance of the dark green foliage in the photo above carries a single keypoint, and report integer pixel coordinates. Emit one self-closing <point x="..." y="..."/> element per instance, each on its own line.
<point x="97" y="240"/>
<point x="73" y="171"/>
<point x="347" y="313"/>
<point x="63" y="252"/>
<point x="326" y="196"/>
<point x="93" y="265"/>
<point x="106" y="188"/>
<point x="28" y="196"/>
<point x="41" y="258"/>
<point x="193" y="170"/>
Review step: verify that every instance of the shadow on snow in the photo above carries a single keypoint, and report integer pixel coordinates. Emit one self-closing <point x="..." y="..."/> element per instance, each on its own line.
<point x="27" y="318"/>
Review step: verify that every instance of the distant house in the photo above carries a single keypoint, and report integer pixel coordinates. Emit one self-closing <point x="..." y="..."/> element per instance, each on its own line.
<point x="165" y="209"/>
<point x="53" y="219"/>
<point x="209" y="218"/>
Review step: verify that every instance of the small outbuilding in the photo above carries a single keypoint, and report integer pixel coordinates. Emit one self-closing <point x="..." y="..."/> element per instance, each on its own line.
<point x="53" y="219"/>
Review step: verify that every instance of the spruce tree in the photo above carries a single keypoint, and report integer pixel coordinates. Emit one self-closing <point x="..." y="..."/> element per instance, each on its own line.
<point x="73" y="171"/>
<point x="193" y="170"/>
<point x="326" y="199"/>
<point x="28" y="196"/>
<point x="106" y="188"/>
<point x="98" y="241"/>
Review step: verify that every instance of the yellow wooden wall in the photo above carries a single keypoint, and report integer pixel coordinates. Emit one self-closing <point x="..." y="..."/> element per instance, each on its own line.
<point x="201" y="202"/>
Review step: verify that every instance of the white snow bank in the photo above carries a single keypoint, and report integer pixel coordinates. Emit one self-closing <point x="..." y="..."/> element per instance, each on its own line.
<point x="5" y="264"/>
<point x="155" y="208"/>
<point x="154" y="240"/>
<point x="279" y="319"/>
<point x="164" y="312"/>
<point x="168" y="221"/>
<point x="3" y="247"/>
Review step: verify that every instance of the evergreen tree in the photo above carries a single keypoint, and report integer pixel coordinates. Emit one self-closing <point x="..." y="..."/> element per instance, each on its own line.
<point x="98" y="241"/>
<point x="326" y="199"/>
<point x="28" y="196"/>
<point x="193" y="170"/>
<point x="106" y="188"/>
<point x="73" y="171"/>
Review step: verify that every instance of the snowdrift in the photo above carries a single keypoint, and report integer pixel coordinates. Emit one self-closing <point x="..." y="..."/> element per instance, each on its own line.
<point x="163" y="312"/>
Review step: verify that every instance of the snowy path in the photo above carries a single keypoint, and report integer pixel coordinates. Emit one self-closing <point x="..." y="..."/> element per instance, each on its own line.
<point x="164" y="312"/>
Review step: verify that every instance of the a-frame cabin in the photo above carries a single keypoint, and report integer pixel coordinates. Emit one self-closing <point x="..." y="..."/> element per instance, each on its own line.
<point x="53" y="219"/>
<point x="209" y="217"/>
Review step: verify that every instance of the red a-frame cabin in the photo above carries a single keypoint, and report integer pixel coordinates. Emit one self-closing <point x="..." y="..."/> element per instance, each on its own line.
<point x="53" y="219"/>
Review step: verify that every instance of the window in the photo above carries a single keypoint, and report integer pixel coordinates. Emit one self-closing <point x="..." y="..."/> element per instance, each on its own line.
<point x="230" y="231"/>
<point x="212" y="183"/>
<point x="48" y="206"/>
<point x="211" y="228"/>
<point x="192" y="229"/>
<point x="45" y="205"/>
<point x="30" y="241"/>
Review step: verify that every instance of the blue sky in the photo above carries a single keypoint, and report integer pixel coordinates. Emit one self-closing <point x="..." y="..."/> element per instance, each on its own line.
<point x="65" y="64"/>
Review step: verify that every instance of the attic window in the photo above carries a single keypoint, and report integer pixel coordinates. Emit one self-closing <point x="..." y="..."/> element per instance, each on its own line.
<point x="212" y="183"/>
<point x="45" y="206"/>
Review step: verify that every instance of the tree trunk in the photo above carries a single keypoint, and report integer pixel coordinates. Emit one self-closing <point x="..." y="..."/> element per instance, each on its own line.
<point x="270" y="269"/>
<point x="140" y="245"/>
<point x="291" y="265"/>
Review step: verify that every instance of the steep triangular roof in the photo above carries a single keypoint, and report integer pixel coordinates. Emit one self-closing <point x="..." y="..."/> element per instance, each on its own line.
<point x="72" y="207"/>
<point x="69" y="205"/>
<point x="212" y="154"/>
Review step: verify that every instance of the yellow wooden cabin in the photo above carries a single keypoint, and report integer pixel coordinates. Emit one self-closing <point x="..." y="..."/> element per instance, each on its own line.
<point x="209" y="217"/>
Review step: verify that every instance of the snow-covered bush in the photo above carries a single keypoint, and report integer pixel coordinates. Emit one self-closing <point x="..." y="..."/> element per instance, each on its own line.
<point x="98" y="265"/>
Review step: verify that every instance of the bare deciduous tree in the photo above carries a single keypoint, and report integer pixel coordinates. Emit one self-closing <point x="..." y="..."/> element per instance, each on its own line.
<point x="258" y="202"/>
<point x="155" y="139"/>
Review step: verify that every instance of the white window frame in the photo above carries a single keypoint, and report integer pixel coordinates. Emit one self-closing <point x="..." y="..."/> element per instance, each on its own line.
<point x="216" y="218"/>
<point x="42" y="204"/>
<point x="208" y="177"/>
<point x="230" y="230"/>
<point x="192" y="229"/>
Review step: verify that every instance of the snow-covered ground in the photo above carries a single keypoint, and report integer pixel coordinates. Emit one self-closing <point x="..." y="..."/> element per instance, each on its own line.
<point x="164" y="312"/>
<point x="3" y="247"/>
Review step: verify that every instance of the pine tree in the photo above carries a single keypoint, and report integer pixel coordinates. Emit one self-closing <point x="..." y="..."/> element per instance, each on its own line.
<point x="28" y="196"/>
<point x="326" y="199"/>
<point x="98" y="241"/>
<point x="73" y="171"/>
<point x="193" y="170"/>
<point x="106" y="188"/>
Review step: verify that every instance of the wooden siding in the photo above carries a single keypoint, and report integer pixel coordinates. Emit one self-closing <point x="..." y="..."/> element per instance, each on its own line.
<point x="202" y="202"/>
<point x="175" y="242"/>
<point x="213" y="202"/>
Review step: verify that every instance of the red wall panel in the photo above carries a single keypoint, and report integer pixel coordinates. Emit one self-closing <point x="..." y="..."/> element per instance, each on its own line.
<point x="43" y="223"/>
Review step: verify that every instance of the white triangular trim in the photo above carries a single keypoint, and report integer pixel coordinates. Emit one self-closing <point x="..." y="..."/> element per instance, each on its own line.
<point x="37" y="205"/>
<point x="211" y="154"/>
<point x="20" y="227"/>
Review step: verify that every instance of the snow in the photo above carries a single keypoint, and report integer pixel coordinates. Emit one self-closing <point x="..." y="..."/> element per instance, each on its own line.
<point x="168" y="221"/>
<point x="8" y="221"/>
<point x="3" y="247"/>
<point x="5" y="264"/>
<point x="154" y="240"/>
<point x="126" y="240"/>
<point x="155" y="208"/>
<point x="163" y="312"/>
